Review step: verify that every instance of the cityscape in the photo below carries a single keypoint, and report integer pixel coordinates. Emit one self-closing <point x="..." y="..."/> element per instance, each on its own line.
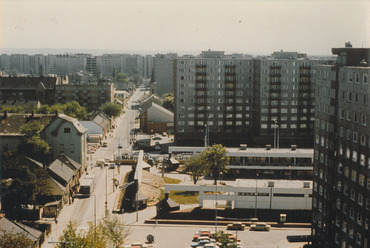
<point x="179" y="125"/>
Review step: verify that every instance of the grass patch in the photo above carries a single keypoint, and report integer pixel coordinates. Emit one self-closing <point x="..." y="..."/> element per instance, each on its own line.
<point x="183" y="197"/>
<point x="171" y="180"/>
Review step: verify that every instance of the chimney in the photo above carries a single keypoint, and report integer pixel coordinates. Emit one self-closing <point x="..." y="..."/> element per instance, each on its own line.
<point x="293" y="147"/>
<point x="56" y="113"/>
<point x="32" y="114"/>
<point x="5" y="114"/>
<point x="268" y="147"/>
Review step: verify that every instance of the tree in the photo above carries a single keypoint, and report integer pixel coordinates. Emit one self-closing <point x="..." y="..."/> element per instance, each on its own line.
<point x="34" y="146"/>
<point x="115" y="231"/>
<point x="74" y="109"/>
<point x="216" y="160"/>
<point x="15" y="240"/>
<point x="43" y="109"/>
<point x="121" y="77"/>
<point x="110" y="232"/>
<point x="196" y="166"/>
<point x="111" y="109"/>
<point x="169" y="103"/>
<point x="26" y="186"/>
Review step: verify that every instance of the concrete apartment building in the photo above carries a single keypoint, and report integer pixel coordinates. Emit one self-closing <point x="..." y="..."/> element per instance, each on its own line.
<point x="90" y="96"/>
<point x="341" y="191"/>
<point x="163" y="73"/>
<point x="253" y="101"/>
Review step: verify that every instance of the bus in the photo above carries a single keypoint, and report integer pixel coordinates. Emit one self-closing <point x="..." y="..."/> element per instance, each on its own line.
<point x="87" y="186"/>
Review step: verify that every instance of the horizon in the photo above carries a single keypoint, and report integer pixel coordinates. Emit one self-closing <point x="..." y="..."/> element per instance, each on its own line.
<point x="256" y="27"/>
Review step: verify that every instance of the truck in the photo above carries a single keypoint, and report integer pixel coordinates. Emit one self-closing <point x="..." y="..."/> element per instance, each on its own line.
<point x="87" y="186"/>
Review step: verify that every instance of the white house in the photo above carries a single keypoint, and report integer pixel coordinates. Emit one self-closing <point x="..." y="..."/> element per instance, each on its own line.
<point x="66" y="135"/>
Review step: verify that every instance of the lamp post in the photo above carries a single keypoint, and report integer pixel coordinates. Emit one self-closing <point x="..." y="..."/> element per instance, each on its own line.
<point x="206" y="135"/>
<point x="255" y="205"/>
<point x="276" y="140"/>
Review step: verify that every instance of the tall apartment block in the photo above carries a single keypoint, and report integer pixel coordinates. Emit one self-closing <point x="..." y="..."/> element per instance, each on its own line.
<point x="341" y="191"/>
<point x="237" y="100"/>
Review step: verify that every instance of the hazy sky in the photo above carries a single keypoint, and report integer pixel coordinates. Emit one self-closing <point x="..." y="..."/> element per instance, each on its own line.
<point x="244" y="26"/>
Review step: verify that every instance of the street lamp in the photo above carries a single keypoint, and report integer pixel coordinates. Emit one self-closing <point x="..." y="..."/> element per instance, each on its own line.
<point x="255" y="205"/>
<point x="276" y="141"/>
<point x="206" y="135"/>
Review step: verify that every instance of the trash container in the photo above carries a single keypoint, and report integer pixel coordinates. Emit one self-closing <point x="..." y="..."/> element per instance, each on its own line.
<point x="282" y="218"/>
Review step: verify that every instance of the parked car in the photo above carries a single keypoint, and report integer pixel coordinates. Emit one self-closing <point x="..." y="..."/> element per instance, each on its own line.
<point x="112" y="165"/>
<point x="236" y="226"/>
<point x="201" y="241"/>
<point x="259" y="226"/>
<point x="201" y="233"/>
<point x="105" y="144"/>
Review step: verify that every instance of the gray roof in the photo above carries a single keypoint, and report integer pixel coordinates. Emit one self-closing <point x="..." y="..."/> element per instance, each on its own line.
<point x="75" y="123"/>
<point x="69" y="162"/>
<point x="15" y="227"/>
<point x="101" y="120"/>
<point x="92" y="127"/>
<point x="61" y="170"/>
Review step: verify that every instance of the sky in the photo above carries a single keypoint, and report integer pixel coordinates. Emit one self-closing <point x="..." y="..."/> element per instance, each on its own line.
<point x="185" y="26"/>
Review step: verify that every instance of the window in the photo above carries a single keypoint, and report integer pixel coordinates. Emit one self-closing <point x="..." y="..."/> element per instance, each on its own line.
<point x="360" y="199"/>
<point x="358" y="238"/>
<point x="361" y="180"/>
<point x="363" y="119"/>
<point x="354" y="175"/>
<point x="364" y="79"/>
<point x="67" y="130"/>
<point x="353" y="194"/>
<point x="359" y="219"/>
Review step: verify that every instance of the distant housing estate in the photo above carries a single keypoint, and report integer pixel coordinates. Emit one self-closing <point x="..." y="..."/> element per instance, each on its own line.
<point x="253" y="101"/>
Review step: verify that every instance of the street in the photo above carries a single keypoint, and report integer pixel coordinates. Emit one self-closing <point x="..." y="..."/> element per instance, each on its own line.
<point x="93" y="209"/>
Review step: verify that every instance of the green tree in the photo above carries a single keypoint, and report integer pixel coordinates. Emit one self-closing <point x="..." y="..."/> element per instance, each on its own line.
<point x="115" y="230"/>
<point x="196" y="167"/>
<point x="15" y="240"/>
<point x="121" y="77"/>
<point x="26" y="186"/>
<point x="111" y="109"/>
<point x="169" y="103"/>
<point x="34" y="146"/>
<point x="216" y="160"/>
<point x="110" y="232"/>
<point x="43" y="109"/>
<point x="74" y="109"/>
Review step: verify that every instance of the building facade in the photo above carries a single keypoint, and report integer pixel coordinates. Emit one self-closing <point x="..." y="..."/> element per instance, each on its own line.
<point x="238" y="100"/>
<point x="90" y="96"/>
<point x="341" y="190"/>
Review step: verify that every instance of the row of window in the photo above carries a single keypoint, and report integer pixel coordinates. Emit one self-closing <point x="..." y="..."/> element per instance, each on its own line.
<point x="356" y="77"/>
<point x="344" y="227"/>
<point x="356" y="97"/>
<point x="286" y="94"/>
<point x="245" y="62"/>
<point x="212" y="123"/>
<point x="212" y="115"/>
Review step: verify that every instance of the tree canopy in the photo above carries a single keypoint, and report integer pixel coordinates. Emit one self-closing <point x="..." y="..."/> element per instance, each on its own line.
<point x="111" y="109"/>
<point x="15" y="240"/>
<point x="216" y="160"/>
<point x="72" y="109"/>
<point x="168" y="102"/>
<point x="196" y="167"/>
<point x="110" y="232"/>
<point x="26" y="186"/>
<point x="34" y="146"/>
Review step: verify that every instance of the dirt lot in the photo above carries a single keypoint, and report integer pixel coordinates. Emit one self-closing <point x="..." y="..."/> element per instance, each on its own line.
<point x="151" y="186"/>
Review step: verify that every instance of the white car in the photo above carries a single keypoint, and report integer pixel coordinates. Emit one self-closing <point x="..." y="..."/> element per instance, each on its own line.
<point x="260" y="226"/>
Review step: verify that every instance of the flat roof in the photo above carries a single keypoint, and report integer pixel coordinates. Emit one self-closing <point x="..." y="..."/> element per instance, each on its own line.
<point x="250" y="152"/>
<point x="262" y="183"/>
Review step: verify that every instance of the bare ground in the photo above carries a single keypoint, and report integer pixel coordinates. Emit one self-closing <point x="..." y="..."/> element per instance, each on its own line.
<point x="151" y="186"/>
